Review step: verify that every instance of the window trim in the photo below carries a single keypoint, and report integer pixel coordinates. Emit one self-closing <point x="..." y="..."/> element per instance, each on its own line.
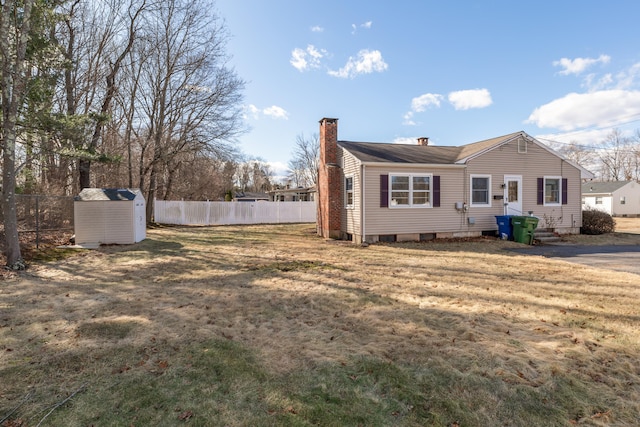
<point x="346" y="192"/>
<point x="480" y="205"/>
<point x="411" y="191"/>
<point x="544" y="195"/>
<point x="522" y="146"/>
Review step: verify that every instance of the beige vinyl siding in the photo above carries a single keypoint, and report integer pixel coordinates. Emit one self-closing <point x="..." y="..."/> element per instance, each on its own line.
<point x="419" y="219"/>
<point x="351" y="217"/>
<point x="536" y="163"/>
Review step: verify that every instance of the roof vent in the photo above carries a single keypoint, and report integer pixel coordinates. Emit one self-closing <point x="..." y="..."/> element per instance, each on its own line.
<point x="423" y="140"/>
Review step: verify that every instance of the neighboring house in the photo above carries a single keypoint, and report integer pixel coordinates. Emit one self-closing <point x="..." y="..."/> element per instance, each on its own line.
<point x="617" y="198"/>
<point x="299" y="194"/>
<point x="247" y="196"/>
<point x="370" y="192"/>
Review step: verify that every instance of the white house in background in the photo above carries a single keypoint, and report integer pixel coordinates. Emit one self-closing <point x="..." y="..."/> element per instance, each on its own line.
<point x="617" y="198"/>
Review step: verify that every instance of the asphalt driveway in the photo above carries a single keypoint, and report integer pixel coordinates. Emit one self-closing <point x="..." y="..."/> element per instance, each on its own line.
<point x="613" y="257"/>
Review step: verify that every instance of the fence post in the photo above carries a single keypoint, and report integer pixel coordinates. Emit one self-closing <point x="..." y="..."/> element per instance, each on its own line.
<point x="37" y="223"/>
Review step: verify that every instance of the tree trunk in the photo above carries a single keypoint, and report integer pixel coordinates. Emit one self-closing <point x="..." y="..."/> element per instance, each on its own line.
<point x="13" y="85"/>
<point x="12" y="239"/>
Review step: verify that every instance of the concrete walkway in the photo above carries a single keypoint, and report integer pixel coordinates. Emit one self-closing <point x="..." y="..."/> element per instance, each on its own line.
<point x="613" y="257"/>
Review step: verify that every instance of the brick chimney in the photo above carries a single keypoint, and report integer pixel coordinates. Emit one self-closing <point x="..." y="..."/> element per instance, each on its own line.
<point x="329" y="188"/>
<point x="423" y="140"/>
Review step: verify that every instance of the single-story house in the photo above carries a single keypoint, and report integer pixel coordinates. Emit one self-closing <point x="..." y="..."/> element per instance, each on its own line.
<point x="248" y="196"/>
<point x="298" y="194"/>
<point x="617" y="198"/>
<point x="370" y="192"/>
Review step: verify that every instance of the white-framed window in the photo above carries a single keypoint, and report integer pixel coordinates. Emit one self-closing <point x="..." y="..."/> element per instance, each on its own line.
<point x="623" y="200"/>
<point x="410" y="190"/>
<point x="598" y="200"/>
<point x="480" y="186"/>
<point x="348" y="191"/>
<point x="552" y="190"/>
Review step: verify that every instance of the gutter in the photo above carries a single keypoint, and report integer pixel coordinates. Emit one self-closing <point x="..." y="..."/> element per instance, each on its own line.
<point x="413" y="165"/>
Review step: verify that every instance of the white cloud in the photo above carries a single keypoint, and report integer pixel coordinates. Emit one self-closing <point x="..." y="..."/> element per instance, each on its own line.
<point x="578" y="65"/>
<point x="367" y="61"/>
<point x="467" y="99"/>
<point x="590" y="138"/>
<point x="276" y="112"/>
<point x="367" y="26"/>
<point x="422" y="102"/>
<point x="581" y="110"/>
<point x="594" y="83"/>
<point x="306" y="59"/>
<point x="280" y="170"/>
<point x="408" y="119"/>
<point x="317" y="29"/>
<point x="627" y="79"/>
<point x="273" y="112"/>
<point x="251" y="110"/>
<point x="405" y="140"/>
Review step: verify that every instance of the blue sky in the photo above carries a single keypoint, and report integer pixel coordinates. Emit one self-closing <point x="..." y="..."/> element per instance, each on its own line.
<point x="454" y="71"/>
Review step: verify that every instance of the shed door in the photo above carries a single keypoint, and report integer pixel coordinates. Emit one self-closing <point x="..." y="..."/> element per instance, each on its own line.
<point x="513" y="194"/>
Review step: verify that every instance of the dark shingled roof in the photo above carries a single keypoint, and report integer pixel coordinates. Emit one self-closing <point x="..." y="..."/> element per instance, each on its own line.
<point x="115" y="194"/>
<point x="373" y="152"/>
<point x="602" y="187"/>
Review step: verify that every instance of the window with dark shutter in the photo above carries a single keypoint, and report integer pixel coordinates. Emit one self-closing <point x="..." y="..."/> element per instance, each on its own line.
<point x="436" y="191"/>
<point x="384" y="191"/>
<point x="540" y="191"/>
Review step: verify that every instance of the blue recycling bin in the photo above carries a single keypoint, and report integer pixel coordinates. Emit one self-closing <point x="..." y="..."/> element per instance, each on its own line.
<point x="505" y="229"/>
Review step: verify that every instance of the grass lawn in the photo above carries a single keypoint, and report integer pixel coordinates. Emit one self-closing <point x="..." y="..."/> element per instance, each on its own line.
<point x="274" y="326"/>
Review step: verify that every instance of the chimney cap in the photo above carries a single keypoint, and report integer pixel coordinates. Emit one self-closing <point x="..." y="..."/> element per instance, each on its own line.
<point x="423" y="140"/>
<point x="328" y="120"/>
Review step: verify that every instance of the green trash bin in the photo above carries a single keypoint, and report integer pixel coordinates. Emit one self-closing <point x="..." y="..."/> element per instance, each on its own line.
<point x="523" y="227"/>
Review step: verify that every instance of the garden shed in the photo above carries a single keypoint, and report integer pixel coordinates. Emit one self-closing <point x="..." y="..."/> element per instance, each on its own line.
<point x="109" y="215"/>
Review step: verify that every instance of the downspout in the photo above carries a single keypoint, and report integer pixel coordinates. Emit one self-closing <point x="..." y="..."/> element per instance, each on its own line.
<point x="362" y="209"/>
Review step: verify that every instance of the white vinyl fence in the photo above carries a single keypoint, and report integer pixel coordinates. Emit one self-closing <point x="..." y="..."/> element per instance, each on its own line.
<point x="228" y="213"/>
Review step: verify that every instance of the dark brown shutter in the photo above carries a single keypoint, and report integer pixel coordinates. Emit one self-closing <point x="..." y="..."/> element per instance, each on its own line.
<point x="384" y="191"/>
<point x="565" y="195"/>
<point x="541" y="191"/>
<point x="436" y="191"/>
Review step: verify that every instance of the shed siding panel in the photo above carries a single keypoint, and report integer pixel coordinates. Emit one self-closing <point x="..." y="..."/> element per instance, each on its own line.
<point x="536" y="163"/>
<point x="119" y="223"/>
<point x="88" y="217"/>
<point x="104" y="222"/>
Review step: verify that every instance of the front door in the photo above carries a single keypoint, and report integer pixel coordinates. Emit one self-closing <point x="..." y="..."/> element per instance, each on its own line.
<point x="513" y="194"/>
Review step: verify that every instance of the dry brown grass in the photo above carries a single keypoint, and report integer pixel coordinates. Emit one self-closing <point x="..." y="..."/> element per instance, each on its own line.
<point x="476" y="325"/>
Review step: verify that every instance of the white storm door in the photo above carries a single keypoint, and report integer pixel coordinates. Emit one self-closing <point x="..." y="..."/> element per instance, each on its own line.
<point x="513" y="194"/>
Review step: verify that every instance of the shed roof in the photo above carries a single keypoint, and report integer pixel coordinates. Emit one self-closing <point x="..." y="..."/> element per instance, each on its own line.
<point x="114" y="194"/>
<point x="602" y="187"/>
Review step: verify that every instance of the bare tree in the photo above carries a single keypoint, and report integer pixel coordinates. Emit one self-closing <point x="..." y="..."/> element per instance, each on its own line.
<point x="303" y="167"/>
<point x="189" y="98"/>
<point x="615" y="156"/>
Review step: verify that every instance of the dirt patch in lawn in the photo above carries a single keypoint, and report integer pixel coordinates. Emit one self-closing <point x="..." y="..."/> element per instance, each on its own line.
<point x="264" y="325"/>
